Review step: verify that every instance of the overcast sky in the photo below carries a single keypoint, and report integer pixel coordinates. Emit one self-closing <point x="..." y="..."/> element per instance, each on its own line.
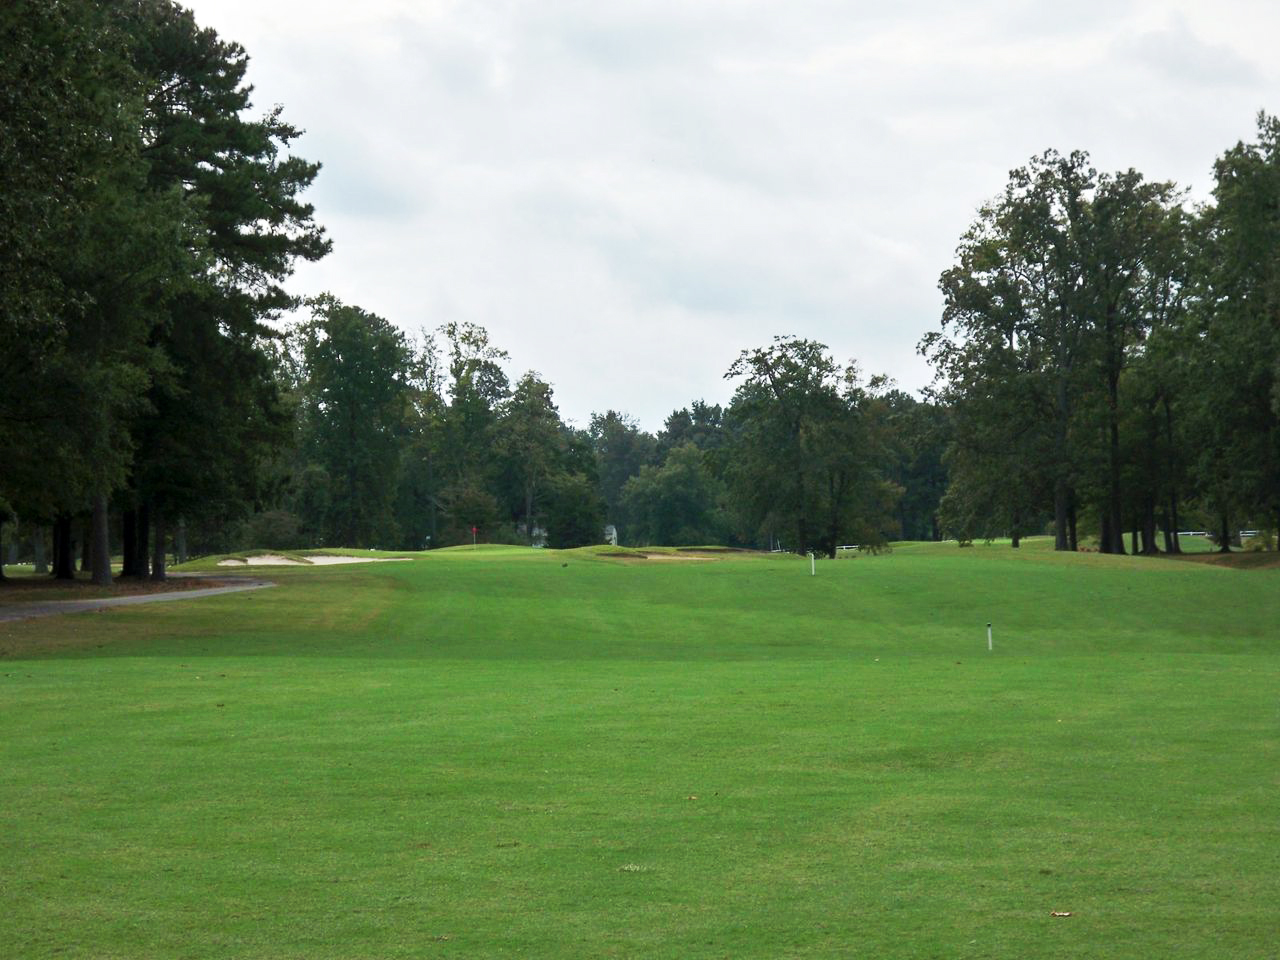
<point x="626" y="193"/>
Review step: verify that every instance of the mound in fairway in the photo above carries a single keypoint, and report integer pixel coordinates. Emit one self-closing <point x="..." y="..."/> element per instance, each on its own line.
<point x="514" y="753"/>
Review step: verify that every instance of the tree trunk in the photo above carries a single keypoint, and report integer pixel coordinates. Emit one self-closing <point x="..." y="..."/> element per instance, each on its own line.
<point x="144" y="539"/>
<point x="1149" y="545"/>
<point x="1113" y="481"/>
<point x="1071" y="523"/>
<point x="64" y="559"/>
<point x="38" y="557"/>
<point x="86" y="545"/>
<point x="431" y="499"/>
<point x="1061" y="492"/>
<point x="101" y="542"/>
<point x="528" y="512"/>
<point x="1133" y="541"/>
<point x="1117" y="541"/>
<point x="180" y="540"/>
<point x="1113" y="328"/>
<point x="1104" y="535"/>
<point x="837" y="486"/>
<point x="1172" y="545"/>
<point x="1062" y="538"/>
<point x="802" y="523"/>
<point x="1224" y="544"/>
<point x="157" y="552"/>
<point x="2" y="576"/>
<point x="129" y="543"/>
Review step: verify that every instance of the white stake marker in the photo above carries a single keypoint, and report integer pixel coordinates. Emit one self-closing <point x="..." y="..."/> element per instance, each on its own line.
<point x="988" y="637"/>
<point x="813" y="565"/>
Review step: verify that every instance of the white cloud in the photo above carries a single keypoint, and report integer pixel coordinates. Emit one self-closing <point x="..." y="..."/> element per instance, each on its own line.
<point x="628" y="193"/>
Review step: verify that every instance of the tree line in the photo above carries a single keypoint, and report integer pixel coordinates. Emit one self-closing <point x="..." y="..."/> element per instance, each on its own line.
<point x="154" y="398"/>
<point x="1109" y="356"/>
<point x="409" y="443"/>
<point x="147" y="222"/>
<point x="1107" y="361"/>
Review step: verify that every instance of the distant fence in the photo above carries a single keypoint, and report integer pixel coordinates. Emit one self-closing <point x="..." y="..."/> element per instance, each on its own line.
<point x="1242" y="534"/>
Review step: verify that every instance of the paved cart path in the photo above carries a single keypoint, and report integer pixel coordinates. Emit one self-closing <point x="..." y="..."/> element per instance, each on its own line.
<point x="49" y="608"/>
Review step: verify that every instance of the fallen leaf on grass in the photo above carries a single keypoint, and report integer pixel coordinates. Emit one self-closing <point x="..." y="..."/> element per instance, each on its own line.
<point x="1059" y="913"/>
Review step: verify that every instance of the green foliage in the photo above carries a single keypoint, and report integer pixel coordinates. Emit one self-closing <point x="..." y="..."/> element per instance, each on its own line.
<point x="469" y="506"/>
<point x="701" y="424"/>
<point x="675" y="504"/>
<point x="807" y="461"/>
<point x="217" y="414"/>
<point x="274" y="530"/>
<point x="919" y="434"/>
<point x="63" y="79"/>
<point x="147" y="225"/>
<point x="1107" y="356"/>
<point x="476" y="386"/>
<point x="621" y="450"/>
<point x="575" y="512"/>
<point x="1237" y="336"/>
<point x="90" y="256"/>
<point x="1057" y="285"/>
<point x="1264" y="540"/>
<point x="529" y="446"/>
<point x="353" y="405"/>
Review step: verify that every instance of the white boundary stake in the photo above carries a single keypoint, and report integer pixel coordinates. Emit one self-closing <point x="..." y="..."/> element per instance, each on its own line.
<point x="989" y="638"/>
<point x="813" y="565"/>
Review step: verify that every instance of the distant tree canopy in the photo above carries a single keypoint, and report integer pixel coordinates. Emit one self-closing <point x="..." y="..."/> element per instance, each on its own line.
<point x="809" y="460"/>
<point x="1108" y="361"/>
<point x="1109" y="358"/>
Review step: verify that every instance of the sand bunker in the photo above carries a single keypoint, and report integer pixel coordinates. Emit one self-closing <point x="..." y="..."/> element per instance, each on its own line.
<point x="275" y="560"/>
<point x="674" y="556"/>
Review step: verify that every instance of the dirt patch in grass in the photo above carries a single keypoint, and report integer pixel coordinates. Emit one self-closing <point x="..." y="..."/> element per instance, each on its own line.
<point x="677" y="557"/>
<point x="1249" y="560"/>
<point x="683" y="555"/>
<point x="42" y="589"/>
<point x="636" y="556"/>
<point x="711" y="551"/>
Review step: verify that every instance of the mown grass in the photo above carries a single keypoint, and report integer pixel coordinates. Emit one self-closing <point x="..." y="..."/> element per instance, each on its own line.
<point x="514" y="753"/>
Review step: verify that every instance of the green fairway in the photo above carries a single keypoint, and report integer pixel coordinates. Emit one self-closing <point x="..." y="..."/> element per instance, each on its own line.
<point x="505" y="752"/>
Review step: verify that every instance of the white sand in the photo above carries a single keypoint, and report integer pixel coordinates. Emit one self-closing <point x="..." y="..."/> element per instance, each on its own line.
<point x="326" y="559"/>
<point x="275" y="560"/>
<point x="673" y="556"/>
